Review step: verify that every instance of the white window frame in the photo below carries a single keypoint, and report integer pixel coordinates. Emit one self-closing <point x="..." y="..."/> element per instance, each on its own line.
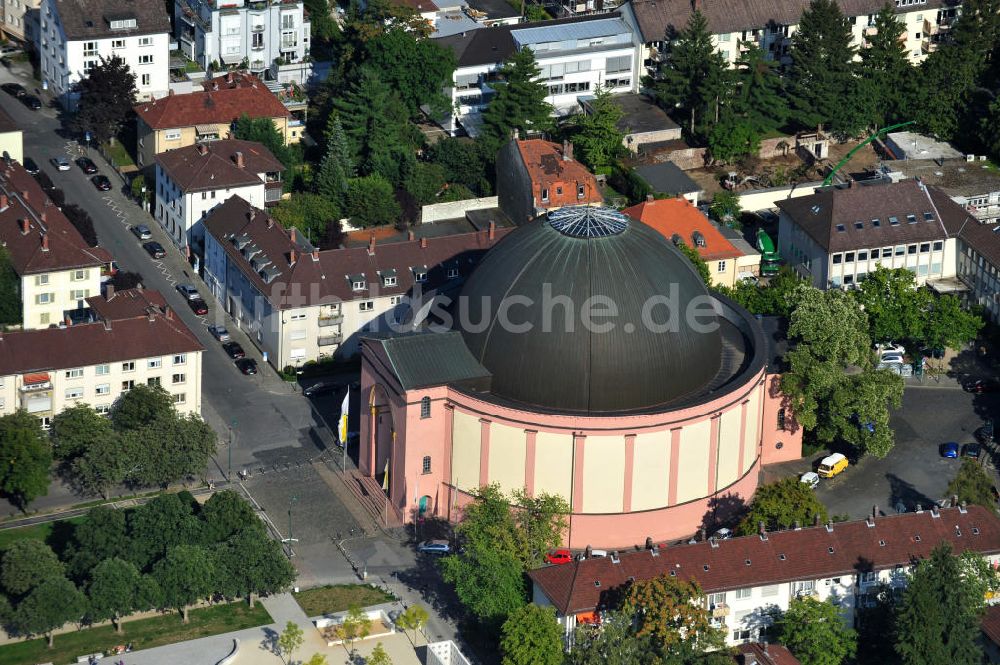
<point x="128" y="366"/>
<point x="102" y="389"/>
<point x="172" y="135"/>
<point x="178" y="379"/>
<point x="180" y="359"/>
<point x="75" y="373"/>
<point x="366" y="306"/>
<point x="74" y="393"/>
<point x="154" y="363"/>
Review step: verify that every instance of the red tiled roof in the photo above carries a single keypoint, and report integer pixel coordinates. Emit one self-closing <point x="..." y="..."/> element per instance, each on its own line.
<point x="318" y="276"/>
<point x="213" y="165"/>
<point x="806" y="554"/>
<point x="35" y="232"/>
<point x="991" y="624"/>
<point x="549" y="169"/>
<point x="126" y="304"/>
<point x="678" y="216"/>
<point x="212" y="106"/>
<point x="764" y="654"/>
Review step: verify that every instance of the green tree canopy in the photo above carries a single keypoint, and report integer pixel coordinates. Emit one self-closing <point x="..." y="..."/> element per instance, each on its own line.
<point x="725" y="207"/>
<point x="10" y="291"/>
<point x="669" y="610"/>
<point x="290" y="639"/>
<point x="141" y="406"/>
<point x="596" y="136"/>
<point x="49" y="606"/>
<point x="761" y="100"/>
<point x="105" y="463"/>
<point x="418" y="70"/>
<point x="156" y="526"/>
<point x="116" y="590"/>
<point x="772" y="299"/>
<point x="263" y="131"/>
<point x="520" y="101"/>
<point x="885" y="64"/>
<point x="815" y="632"/>
<point x="614" y="642"/>
<point x="780" y="505"/>
<point x="185" y="575"/>
<point x="76" y="429"/>
<point x="371" y="201"/>
<point x="253" y="564"/>
<point x="733" y="138"/>
<point x="309" y="213"/>
<point x="464" y="161"/>
<point x="225" y="514"/>
<point x="336" y="168"/>
<point x="107" y="96"/>
<point x="101" y="535"/>
<point x="531" y="636"/>
<point x="490" y="582"/>
<point x="26" y="565"/>
<point x="972" y="485"/>
<point x="25" y="458"/>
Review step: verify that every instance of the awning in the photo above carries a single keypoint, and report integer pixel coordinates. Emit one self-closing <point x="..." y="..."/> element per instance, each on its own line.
<point x="945" y="285"/>
<point x="206" y="129"/>
<point x="588" y="618"/>
<point x="36" y="378"/>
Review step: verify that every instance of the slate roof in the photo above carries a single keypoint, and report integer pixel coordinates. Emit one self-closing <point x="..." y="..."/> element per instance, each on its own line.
<point x="667" y="178"/>
<point x="26" y="204"/>
<point x="654" y="16"/>
<point x="981" y="237"/>
<point x="212" y="107"/>
<point x="319" y="276"/>
<point x="431" y="359"/>
<point x="831" y="216"/>
<point x="810" y="553"/>
<point x="678" y="216"/>
<point x="212" y="165"/>
<point x="90" y="19"/>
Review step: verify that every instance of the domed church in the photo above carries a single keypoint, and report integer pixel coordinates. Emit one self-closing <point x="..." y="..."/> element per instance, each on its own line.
<point x="584" y="357"/>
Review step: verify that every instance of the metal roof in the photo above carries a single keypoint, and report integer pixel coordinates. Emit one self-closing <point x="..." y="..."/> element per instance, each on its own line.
<point x="431" y="359"/>
<point x="570" y="31"/>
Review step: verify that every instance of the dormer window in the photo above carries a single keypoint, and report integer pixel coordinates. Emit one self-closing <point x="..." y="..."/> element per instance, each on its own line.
<point x="420" y="274"/>
<point x="358" y="282"/>
<point x="699" y="239"/>
<point x="122" y="23"/>
<point x="452" y="273"/>
<point x="388" y="277"/>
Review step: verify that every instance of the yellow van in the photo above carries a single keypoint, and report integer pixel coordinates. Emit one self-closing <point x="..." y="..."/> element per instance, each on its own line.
<point x="832" y="465"/>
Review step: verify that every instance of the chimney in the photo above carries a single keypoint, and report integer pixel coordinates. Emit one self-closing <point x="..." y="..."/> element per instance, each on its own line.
<point x="410" y="235"/>
<point x="109" y="292"/>
<point x="24" y="226"/>
<point x="149" y="314"/>
<point x="649" y="542"/>
<point x="4" y="203"/>
<point x="371" y="245"/>
<point x="170" y="93"/>
<point x="962" y="507"/>
<point x="169" y="313"/>
<point x="816" y="519"/>
<point x="874" y="512"/>
<point x="24" y="195"/>
<point x="423" y="243"/>
<point x="270" y="222"/>
<point x="762" y="530"/>
<point x="850" y="183"/>
<point x="954" y="500"/>
<point x="918" y="509"/>
<point x="292" y="257"/>
<point x="251" y="215"/>
<point x="67" y="321"/>
<point x="567" y="151"/>
<point x="45" y="242"/>
<point x="293" y="235"/>
<point x="493" y="230"/>
<point x="649" y="198"/>
<point x="934" y="511"/>
<point x="240" y="163"/>
<point x="42" y="216"/>
<point x="202" y="149"/>
<point x="829" y="526"/>
<point x="315" y="255"/>
<point x="107" y="324"/>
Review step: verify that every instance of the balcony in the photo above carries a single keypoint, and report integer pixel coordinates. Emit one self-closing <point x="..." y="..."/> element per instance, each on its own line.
<point x="720" y="611"/>
<point x="329" y="340"/>
<point x="257" y="65"/>
<point x="331" y="320"/>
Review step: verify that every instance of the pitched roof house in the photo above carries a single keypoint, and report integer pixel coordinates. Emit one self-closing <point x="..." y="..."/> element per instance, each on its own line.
<point x="534" y="176"/>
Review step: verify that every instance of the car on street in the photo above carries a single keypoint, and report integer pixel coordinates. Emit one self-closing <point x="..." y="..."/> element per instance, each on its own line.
<point x="141" y="231"/>
<point x="972" y="450"/>
<point x="32" y="102"/>
<point x="188" y="291"/>
<point x="61" y="163"/>
<point x="14" y="89"/>
<point x="949" y="450"/>
<point x="155" y="249"/>
<point x="219" y="333"/>
<point x="982" y="386"/>
<point x="198" y="306"/>
<point x="30" y="166"/>
<point x="234" y="350"/>
<point x="890" y="347"/>
<point x="319" y="388"/>
<point x="559" y="557"/>
<point x="434" y="547"/>
<point x="9" y="50"/>
<point x="101" y="182"/>
<point x="247" y="365"/>
<point x="87" y="165"/>
<point x="810" y="479"/>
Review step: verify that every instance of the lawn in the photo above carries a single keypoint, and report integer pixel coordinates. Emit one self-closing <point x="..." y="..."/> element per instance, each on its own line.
<point x="338" y="598"/>
<point x="119" y="154"/>
<point x="51" y="532"/>
<point x="143" y="634"/>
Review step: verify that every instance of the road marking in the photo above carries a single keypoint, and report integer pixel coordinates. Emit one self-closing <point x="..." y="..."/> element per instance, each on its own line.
<point x="122" y="217"/>
<point x="74" y="148"/>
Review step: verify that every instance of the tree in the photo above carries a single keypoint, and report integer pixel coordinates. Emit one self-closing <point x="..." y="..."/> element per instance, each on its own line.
<point x="772" y="299"/>
<point x="177" y="447"/>
<point x="892" y="304"/>
<point x="412" y="618"/>
<point x="101" y="535"/>
<point x="876" y="625"/>
<point x="76" y="429"/>
<point x="612" y="643"/>
<point x="378" y="656"/>
<point x="822" y="64"/>
<point x="263" y="131"/>
<point x="489" y="581"/>
<point x="418" y="70"/>
<point x="10" y="291"/>
<point x="290" y="639"/>
<point x="159" y="525"/>
<point x="185" y="575"/>
<point x="115" y="590"/>
<point x="124" y="280"/>
<point x="104" y="464"/>
<point x="519" y="103"/>
<point x="725" y="207"/>
<point x="732" y="139"/>
<point x="427" y="182"/>
<point x="28" y="564"/>
<point x="692" y="255"/>
<point x="973" y="485"/>
<point x="596" y="136"/>
<point x="82" y="222"/>
<point x="885" y="65"/>
<point x="947" y="323"/>
<point x="336" y="168"/>
<point x="693" y="76"/>
<point x="463" y="160"/>
<point x="225" y="514"/>
<point x="307" y="212"/>
<point x="356" y="625"/>
<point x="322" y="28"/>
<point x="107" y="96"/>
<point x="532" y="636"/>
<point x="761" y="100"/>
<point x="371" y="201"/>
<point x="254" y="564"/>
<point x="25" y="458"/>
<point x="780" y="505"/>
<point x="320" y="659"/>
<point x="668" y="610"/>
<point x="141" y="407"/>
<point x="815" y="632"/>
<point x="49" y="606"/>
<point x="938" y="618"/>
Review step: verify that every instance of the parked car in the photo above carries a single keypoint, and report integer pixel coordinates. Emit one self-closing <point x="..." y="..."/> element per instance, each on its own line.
<point x="247" y="365"/>
<point x="155" y="249"/>
<point x="32" y="102"/>
<point x="30" y="166"/>
<point x="890" y="347"/>
<point x="102" y="183"/>
<point x="982" y="386"/>
<point x="141" y="231"/>
<point x="724" y="533"/>
<point x="61" y="163"/>
<point x="439" y="547"/>
<point x="188" y="291"/>
<point x="234" y="350"/>
<point x="949" y="450"/>
<point x="14" y="89"/>
<point x="198" y="306"/>
<point x="811" y="479"/>
<point x="888" y="358"/>
<point x="559" y="557"/>
<point x="831" y="465"/>
<point x="320" y="388"/>
<point x="87" y="165"/>
<point x="972" y="450"/>
<point x="219" y="333"/>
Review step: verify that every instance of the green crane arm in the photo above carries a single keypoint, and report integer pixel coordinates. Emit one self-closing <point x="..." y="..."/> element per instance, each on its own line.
<point x="847" y="158"/>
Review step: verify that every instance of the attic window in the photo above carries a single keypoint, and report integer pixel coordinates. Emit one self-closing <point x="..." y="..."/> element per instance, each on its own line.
<point x="881" y="543"/>
<point x="699" y="239"/>
<point x="894" y="221"/>
<point x="928" y="217"/>
<point x="673" y="573"/>
<point x="841" y="228"/>
<point x="452" y="273"/>
<point x="420" y="274"/>
<point x="747" y="562"/>
<point x="123" y="23"/>
<point x="781" y="557"/>
<point x="911" y="219"/>
<point x="829" y="550"/>
<point x="389" y="280"/>
<point x="358" y="282"/>
<point x="597" y="583"/>
<point x="975" y="531"/>
<point x="815" y="210"/>
<point x="859" y="225"/>
<point x="705" y="567"/>
<point x="876" y="222"/>
<point x="916" y="538"/>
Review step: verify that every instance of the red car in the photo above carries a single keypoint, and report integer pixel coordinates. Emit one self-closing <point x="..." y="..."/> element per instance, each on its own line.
<point x="198" y="307"/>
<point x="559" y="557"/>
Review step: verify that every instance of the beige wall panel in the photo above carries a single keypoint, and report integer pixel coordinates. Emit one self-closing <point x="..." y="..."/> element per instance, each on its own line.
<point x="604" y="474"/>
<point x="554" y="464"/>
<point x="728" y="469"/>
<point x="466" y="439"/>
<point x="651" y="471"/>
<point x="692" y="476"/>
<point x="750" y="440"/>
<point x="507" y="446"/>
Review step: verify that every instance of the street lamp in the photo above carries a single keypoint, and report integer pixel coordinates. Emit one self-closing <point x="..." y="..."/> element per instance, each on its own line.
<point x="291" y="501"/>
<point x="229" y="475"/>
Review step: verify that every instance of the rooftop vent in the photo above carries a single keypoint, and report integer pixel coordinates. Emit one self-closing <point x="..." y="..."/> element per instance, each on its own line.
<point x="881" y="543"/>
<point x="829" y="550"/>
<point x="705" y="567"/>
<point x="975" y="531"/>
<point x="597" y="583"/>
<point x="713" y="543"/>
<point x="615" y="558"/>
<point x="916" y="538"/>
<point x="747" y="562"/>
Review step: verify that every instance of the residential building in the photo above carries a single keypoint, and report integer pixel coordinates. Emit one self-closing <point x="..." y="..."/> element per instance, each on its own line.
<point x="177" y="121"/>
<point x="298" y="303"/>
<point x="772" y="25"/>
<point x="743" y="578"/>
<point x="679" y="221"/>
<point x="668" y="178"/>
<point x="191" y="181"/>
<point x="270" y="36"/>
<point x="837" y="235"/>
<point x="534" y="176"/>
<point x="76" y="34"/>
<point x="135" y="340"/>
<point x="978" y="263"/>
<point x="11" y="138"/>
<point x="58" y="271"/>
<point x="576" y="56"/>
<point x="453" y="17"/>
<point x="974" y="185"/>
<point x="20" y="20"/>
<point x="911" y="145"/>
<point x="758" y="653"/>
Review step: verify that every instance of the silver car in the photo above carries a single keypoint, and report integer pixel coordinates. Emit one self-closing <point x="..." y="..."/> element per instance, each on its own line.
<point x="219" y="333"/>
<point x="434" y="547"/>
<point x="188" y="291"/>
<point x="142" y="232"/>
<point x="61" y="163"/>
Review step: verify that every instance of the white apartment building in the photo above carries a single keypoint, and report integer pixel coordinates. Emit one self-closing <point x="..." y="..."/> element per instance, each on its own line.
<point x="745" y="579"/>
<point x="298" y="303"/>
<point x="75" y="34"/>
<point x="57" y="270"/>
<point x="576" y="57"/>
<point x="836" y="236"/>
<point x="136" y="340"/>
<point x="271" y="36"/>
<point x="190" y="181"/>
<point x="772" y="25"/>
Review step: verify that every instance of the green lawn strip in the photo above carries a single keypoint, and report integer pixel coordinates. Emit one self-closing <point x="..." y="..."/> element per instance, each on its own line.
<point x="41" y="531"/>
<point x="119" y="154"/>
<point x="339" y="598"/>
<point x="143" y="634"/>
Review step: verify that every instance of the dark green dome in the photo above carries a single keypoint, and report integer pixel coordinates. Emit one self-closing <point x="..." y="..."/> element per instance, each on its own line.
<point x="580" y="253"/>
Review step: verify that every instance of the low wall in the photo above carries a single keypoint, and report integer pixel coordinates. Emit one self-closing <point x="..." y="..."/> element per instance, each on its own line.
<point x="445" y="653"/>
<point x="762" y="199"/>
<point x="686" y="159"/>
<point x="454" y="209"/>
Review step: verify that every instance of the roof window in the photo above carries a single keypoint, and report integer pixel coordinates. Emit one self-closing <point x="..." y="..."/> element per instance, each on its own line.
<point x="881" y="543"/>
<point x="928" y="217"/>
<point x="916" y="538"/>
<point x="859" y="225"/>
<point x="699" y="239"/>
<point x="705" y="567"/>
<point x="894" y="221"/>
<point x="815" y="209"/>
<point x="876" y="222"/>
<point x="781" y="557"/>
<point x="748" y="562"/>
<point x="958" y="531"/>
<point x="829" y="550"/>
<point x="975" y="531"/>
<point x="673" y="573"/>
<point x="841" y="228"/>
<point x="911" y="219"/>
